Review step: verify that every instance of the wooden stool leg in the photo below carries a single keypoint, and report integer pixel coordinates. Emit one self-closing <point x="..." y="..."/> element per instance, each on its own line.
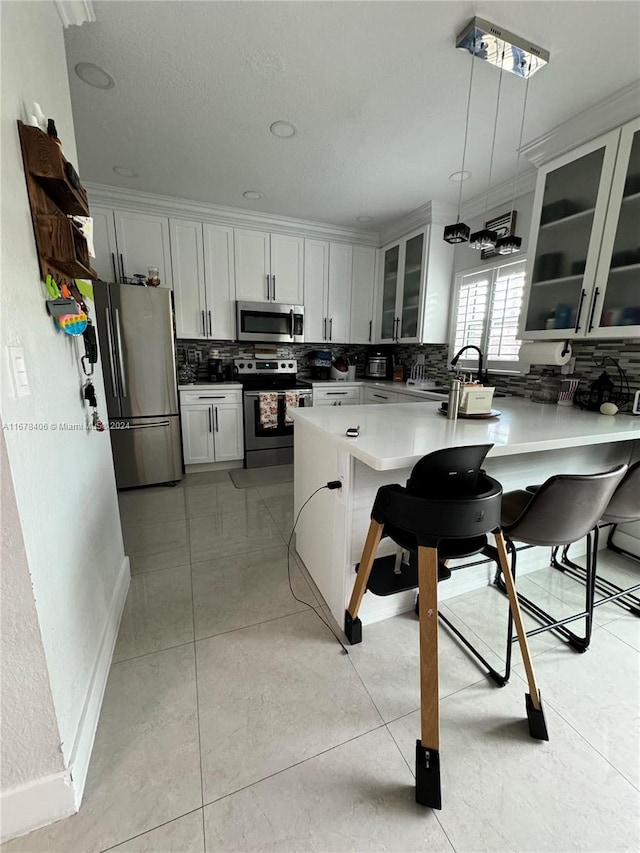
<point x="352" y="625"/>
<point x="535" y="711"/>
<point x="427" y="748"/>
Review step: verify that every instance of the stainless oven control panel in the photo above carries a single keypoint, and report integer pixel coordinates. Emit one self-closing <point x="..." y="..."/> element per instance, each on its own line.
<point x="265" y="367"/>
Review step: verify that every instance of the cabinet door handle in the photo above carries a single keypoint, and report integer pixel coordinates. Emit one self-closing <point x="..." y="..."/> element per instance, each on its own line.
<point x="596" y="293"/>
<point x="370" y="329"/>
<point x="219" y="397"/>
<point x="583" y="293"/>
<point x="215" y="410"/>
<point x="268" y="288"/>
<point x="113" y="264"/>
<point x="324" y="332"/>
<point x="336" y="393"/>
<point x="210" y="424"/>
<point x="123" y="280"/>
<point x="273" y="279"/>
<point x="381" y="396"/>
<point x="331" y="329"/>
<point x="204" y="330"/>
<point x="210" y="325"/>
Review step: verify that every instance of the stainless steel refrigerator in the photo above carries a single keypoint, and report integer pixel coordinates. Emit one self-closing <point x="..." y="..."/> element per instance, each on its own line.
<point x="135" y="330"/>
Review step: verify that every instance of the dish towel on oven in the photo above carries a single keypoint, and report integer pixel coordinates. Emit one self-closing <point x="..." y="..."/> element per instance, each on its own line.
<point x="292" y="398"/>
<point x="268" y="403"/>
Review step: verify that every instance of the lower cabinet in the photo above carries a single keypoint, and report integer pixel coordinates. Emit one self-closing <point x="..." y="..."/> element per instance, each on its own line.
<point x="211" y="426"/>
<point x="375" y="395"/>
<point x="337" y="396"/>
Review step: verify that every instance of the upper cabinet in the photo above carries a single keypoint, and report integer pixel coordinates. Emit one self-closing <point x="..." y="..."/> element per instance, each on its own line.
<point x="202" y="262"/>
<point x="129" y="243"/>
<point x="339" y="281"/>
<point x="269" y="267"/>
<point x="414" y="289"/>
<point x="363" y="283"/>
<point x="585" y="249"/>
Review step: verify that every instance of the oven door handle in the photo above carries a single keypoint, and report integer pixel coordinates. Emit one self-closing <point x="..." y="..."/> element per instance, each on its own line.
<point x="303" y="394"/>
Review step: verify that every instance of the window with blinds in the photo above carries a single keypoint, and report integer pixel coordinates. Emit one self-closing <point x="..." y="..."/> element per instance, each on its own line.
<point x="486" y="313"/>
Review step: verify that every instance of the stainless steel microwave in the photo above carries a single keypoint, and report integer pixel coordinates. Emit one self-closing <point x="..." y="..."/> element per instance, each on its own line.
<point x="270" y="322"/>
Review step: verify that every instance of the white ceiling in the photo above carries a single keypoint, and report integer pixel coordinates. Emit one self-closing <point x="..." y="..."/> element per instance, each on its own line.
<point x="376" y="90"/>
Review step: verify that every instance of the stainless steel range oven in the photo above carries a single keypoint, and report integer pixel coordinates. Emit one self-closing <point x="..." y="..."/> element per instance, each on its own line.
<point x="269" y="440"/>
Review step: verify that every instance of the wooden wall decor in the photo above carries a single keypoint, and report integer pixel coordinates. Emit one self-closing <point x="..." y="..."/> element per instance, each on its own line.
<point x="55" y="193"/>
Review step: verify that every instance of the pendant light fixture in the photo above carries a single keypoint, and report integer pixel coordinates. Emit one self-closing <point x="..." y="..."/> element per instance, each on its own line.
<point x="510" y="244"/>
<point x="459" y="232"/>
<point x="495" y="45"/>
<point x="486" y="238"/>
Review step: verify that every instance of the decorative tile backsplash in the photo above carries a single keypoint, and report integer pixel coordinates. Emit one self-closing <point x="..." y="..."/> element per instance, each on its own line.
<point x="436" y="357"/>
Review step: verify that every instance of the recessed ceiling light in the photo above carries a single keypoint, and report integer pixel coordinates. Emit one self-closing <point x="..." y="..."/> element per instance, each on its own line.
<point x="283" y="129"/>
<point x="124" y="172"/>
<point x="253" y="195"/>
<point x="95" y="76"/>
<point x="459" y="177"/>
<point x="364" y="218"/>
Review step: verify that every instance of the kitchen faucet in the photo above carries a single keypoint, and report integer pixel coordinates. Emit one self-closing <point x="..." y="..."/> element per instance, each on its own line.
<point x="482" y="376"/>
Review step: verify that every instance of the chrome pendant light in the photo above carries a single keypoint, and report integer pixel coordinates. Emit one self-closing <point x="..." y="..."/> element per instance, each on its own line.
<point x="485" y="238"/>
<point x="459" y="232"/>
<point x="510" y="244"/>
<point x="497" y="46"/>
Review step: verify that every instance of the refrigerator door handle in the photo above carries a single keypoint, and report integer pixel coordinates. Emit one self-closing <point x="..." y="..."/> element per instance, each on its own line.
<point x="149" y="426"/>
<point x="112" y="368"/>
<point x="123" y="382"/>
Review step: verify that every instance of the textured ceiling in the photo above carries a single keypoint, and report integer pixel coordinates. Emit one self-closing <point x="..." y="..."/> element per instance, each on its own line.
<point x="376" y="89"/>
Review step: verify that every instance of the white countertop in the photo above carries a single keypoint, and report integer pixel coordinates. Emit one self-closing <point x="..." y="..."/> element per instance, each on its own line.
<point x="211" y="386"/>
<point x="397" y="435"/>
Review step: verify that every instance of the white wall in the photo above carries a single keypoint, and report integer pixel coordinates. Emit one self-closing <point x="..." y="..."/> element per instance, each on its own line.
<point x="466" y="258"/>
<point x="63" y="480"/>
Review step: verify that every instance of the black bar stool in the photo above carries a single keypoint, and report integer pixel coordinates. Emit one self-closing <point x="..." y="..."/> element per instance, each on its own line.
<point x="447" y="509"/>
<point x="563" y="510"/>
<point x="623" y="507"/>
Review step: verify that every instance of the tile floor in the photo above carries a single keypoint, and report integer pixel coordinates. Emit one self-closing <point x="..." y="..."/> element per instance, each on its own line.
<point x="233" y="721"/>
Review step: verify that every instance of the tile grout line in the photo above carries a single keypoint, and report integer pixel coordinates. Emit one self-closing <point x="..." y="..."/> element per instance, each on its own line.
<point x="291" y="766"/>
<point x="195" y="667"/>
<point x="152" y="829"/>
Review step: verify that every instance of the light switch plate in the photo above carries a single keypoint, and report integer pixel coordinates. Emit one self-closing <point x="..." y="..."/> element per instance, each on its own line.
<point x="18" y="372"/>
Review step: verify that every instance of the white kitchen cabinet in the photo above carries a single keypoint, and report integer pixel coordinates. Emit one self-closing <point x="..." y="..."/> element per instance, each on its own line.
<point x="197" y="434"/>
<point x="378" y="395"/>
<point x="211" y="425"/>
<point x="327" y="288"/>
<point x="584" y="260"/>
<point x="363" y="279"/>
<point x="104" y="242"/>
<point x="337" y="395"/>
<point x="202" y="264"/>
<point x="143" y="242"/>
<point x="268" y="267"/>
<point x="187" y="261"/>
<point x="415" y="288"/>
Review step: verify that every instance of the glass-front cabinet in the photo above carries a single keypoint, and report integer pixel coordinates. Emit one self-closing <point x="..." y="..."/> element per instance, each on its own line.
<point x="616" y="301"/>
<point x="403" y="276"/>
<point x="584" y="272"/>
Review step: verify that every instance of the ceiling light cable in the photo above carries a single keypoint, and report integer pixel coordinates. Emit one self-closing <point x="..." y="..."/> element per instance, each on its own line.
<point x="524" y="110"/>
<point x="493" y="141"/>
<point x="466" y="128"/>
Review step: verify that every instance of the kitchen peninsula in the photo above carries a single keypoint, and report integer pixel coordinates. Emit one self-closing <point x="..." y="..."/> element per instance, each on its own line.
<point x="531" y="442"/>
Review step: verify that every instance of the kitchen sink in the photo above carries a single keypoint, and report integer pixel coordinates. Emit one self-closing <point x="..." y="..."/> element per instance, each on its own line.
<point x="445" y="391"/>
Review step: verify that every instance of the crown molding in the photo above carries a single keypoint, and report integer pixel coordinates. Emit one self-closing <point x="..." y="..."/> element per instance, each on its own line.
<point x="433" y="212"/>
<point x="600" y="118"/>
<point x="499" y="195"/>
<point x="74" y="13"/>
<point x="140" y="202"/>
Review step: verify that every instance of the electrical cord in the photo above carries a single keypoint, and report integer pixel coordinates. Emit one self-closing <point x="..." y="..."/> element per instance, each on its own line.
<point x="332" y="484"/>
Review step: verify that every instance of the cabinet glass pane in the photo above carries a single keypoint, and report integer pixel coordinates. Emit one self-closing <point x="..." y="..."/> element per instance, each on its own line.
<point x="411" y="289"/>
<point x="566" y="221"/>
<point x="621" y="305"/>
<point x="389" y="290"/>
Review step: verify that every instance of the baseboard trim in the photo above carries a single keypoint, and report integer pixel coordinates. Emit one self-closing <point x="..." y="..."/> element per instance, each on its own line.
<point x="36" y="804"/>
<point x="86" y="732"/>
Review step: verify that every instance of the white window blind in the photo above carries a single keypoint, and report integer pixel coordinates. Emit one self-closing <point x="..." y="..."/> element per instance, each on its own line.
<point x="486" y="313"/>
